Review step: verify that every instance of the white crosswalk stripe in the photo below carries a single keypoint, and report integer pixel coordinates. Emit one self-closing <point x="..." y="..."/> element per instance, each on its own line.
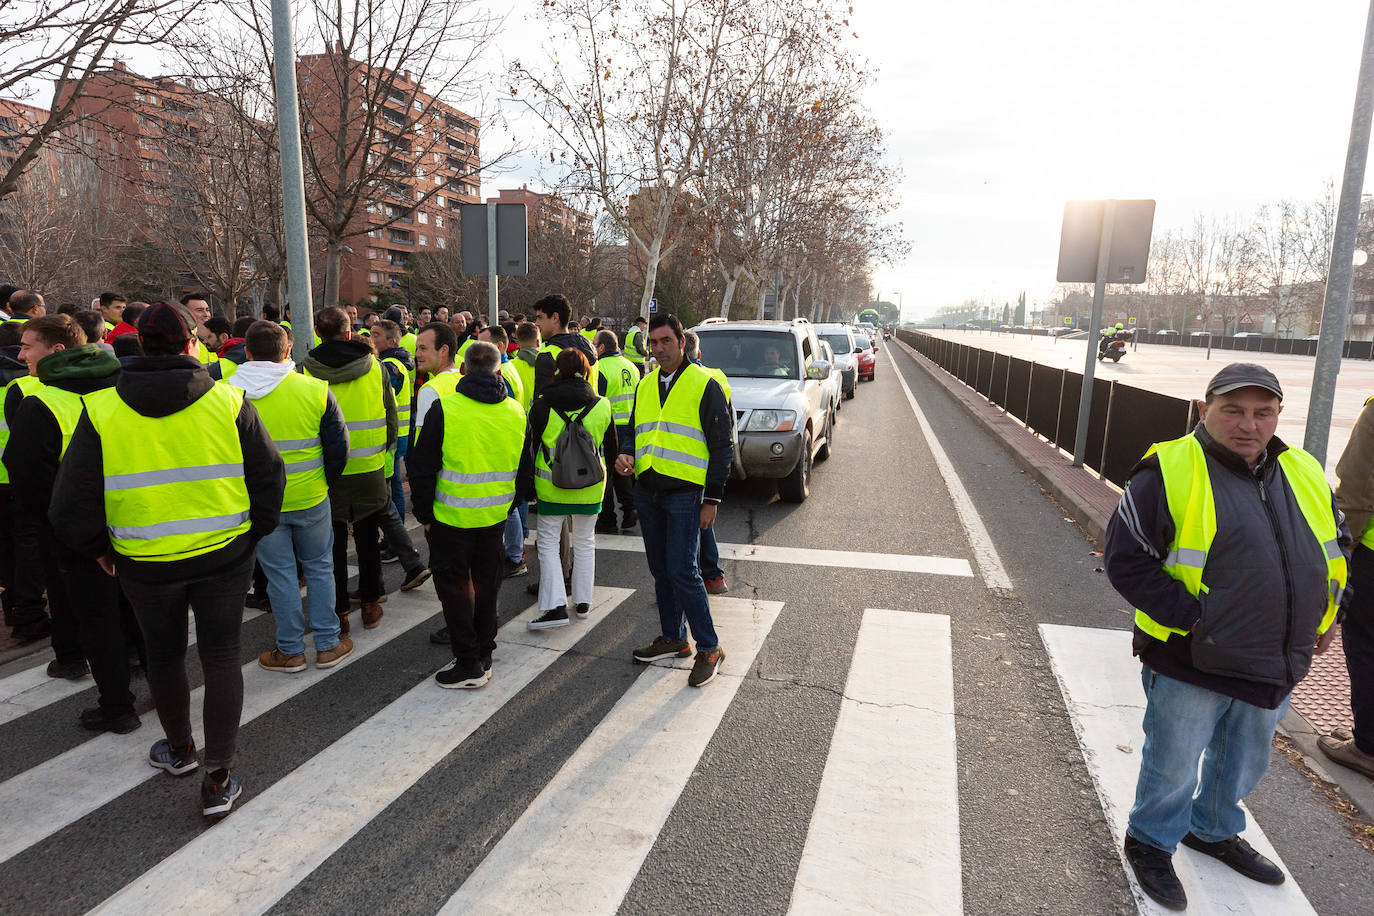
<point x="1101" y="686"/>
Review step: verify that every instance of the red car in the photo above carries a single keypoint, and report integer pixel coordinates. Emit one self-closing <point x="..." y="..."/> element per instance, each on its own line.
<point x="867" y="352"/>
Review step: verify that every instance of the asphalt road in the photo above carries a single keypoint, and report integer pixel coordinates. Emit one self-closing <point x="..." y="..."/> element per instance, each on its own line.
<point x="368" y="790"/>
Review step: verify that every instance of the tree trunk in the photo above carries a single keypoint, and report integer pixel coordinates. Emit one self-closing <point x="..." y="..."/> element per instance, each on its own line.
<point x="731" y="281"/>
<point x="654" y="255"/>
<point x="333" y="254"/>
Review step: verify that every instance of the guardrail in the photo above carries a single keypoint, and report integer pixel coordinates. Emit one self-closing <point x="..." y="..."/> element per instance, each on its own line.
<point x="1352" y="349"/>
<point x="1123" y="420"/>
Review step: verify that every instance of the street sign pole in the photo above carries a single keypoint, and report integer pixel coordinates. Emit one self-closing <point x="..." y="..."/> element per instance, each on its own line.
<point x="298" y="292"/>
<point x="1341" y="269"/>
<point x="1085" y="397"/>
<point x="492" y="292"/>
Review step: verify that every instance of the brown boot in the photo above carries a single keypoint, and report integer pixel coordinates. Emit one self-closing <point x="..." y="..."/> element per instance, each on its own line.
<point x="343" y="624"/>
<point x="372" y="614"/>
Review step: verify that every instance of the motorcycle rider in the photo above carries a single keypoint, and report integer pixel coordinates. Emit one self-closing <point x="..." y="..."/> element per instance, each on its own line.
<point x="1108" y="334"/>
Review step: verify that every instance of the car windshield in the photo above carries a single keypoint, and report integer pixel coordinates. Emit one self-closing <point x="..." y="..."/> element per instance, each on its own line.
<point x="750" y="354"/>
<point x="861" y="340"/>
<point x="838" y="342"/>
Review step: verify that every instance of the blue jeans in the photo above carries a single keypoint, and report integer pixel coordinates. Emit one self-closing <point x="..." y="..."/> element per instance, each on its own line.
<point x="515" y="532"/>
<point x="709" y="556"/>
<point x="1183" y="724"/>
<point x="307" y="535"/>
<point x="398" y="490"/>
<point x="671" y="524"/>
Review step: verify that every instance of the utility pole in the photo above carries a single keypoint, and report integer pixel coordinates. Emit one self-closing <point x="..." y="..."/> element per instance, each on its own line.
<point x="1341" y="269"/>
<point x="292" y="182"/>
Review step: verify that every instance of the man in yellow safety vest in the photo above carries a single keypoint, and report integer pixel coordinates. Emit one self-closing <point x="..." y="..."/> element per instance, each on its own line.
<point x="616" y="379"/>
<point x="1229" y="545"/>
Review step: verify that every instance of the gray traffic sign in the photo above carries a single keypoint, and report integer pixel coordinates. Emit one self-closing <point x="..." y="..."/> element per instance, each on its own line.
<point x="512" y="255"/>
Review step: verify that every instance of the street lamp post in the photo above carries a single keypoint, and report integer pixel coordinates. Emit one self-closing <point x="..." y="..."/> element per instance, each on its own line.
<point x="298" y="290"/>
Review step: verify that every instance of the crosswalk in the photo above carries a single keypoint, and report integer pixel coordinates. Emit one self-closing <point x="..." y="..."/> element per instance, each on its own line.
<point x="884" y="830"/>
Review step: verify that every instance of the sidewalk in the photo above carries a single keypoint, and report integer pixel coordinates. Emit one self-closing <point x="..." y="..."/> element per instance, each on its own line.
<point x="1319" y="704"/>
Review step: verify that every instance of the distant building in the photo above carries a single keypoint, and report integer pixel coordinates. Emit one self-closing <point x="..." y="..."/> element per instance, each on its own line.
<point x="17" y="120"/>
<point x="549" y="210"/>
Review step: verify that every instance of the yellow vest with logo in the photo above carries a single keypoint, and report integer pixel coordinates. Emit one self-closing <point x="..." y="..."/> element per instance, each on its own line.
<point x="173" y="485"/>
<point x="668" y="437"/>
<point x="66" y="407"/>
<point x="481" y="454"/>
<point x="1188" y="490"/>
<point x="364" y="412"/>
<point x="621" y="377"/>
<point x="27" y="385"/>
<point x="595" y="419"/>
<point x="291" y="414"/>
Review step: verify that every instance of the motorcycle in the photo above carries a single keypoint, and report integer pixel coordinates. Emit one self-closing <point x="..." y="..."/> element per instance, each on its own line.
<point x="1114" y="350"/>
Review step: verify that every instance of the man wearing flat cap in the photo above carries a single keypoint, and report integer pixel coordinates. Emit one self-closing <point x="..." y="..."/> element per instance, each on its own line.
<point x="1229" y="545"/>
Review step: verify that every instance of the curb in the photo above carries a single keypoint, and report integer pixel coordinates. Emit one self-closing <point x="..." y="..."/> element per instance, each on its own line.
<point x="1084" y="496"/>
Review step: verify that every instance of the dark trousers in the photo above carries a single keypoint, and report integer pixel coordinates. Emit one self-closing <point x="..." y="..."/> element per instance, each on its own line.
<point x="216" y="600"/>
<point x="66" y="641"/>
<point x="7" y="558"/>
<point x="106" y="627"/>
<point x="467" y="567"/>
<point x="369" y="561"/>
<point x="1357" y="635"/>
<point x="29" y="576"/>
<point x="620" y="488"/>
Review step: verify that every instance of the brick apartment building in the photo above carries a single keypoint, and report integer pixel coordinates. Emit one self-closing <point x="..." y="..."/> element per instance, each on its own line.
<point x="549" y="210"/>
<point x="17" y="120"/>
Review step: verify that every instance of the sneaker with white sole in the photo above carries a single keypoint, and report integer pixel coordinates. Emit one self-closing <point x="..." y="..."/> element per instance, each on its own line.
<point x="458" y="675"/>
<point x="217" y="797"/>
<point x="583" y="611"/>
<point x="662" y="648"/>
<point x="558" y="617"/>
<point x="277" y="660"/>
<point x="328" y="658"/>
<point x="706" y="667"/>
<point x="178" y="762"/>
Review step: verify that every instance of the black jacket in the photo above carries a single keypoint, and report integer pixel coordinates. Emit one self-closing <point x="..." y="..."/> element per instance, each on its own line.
<point x="426" y="457"/>
<point x="10" y="366"/>
<point x="237" y="354"/>
<point x="35" y="443"/>
<point x="159" y="386"/>
<point x="717" y="422"/>
<point x="543" y="363"/>
<point x="567" y="396"/>
<point x="1251" y="634"/>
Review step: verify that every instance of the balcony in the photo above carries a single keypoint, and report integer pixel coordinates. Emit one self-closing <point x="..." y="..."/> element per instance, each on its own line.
<point x="401" y="236"/>
<point x="460" y="125"/>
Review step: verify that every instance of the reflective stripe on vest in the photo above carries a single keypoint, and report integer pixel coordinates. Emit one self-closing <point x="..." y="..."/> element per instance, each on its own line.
<point x="621" y="378"/>
<point x="1188" y="490"/>
<point x="291" y="413"/>
<point x="364" y="412"/>
<point x="188" y="464"/>
<point x="27" y="385"/>
<point x="668" y="437"/>
<point x="633" y="352"/>
<point x="595" y="420"/>
<point x="481" y="454"/>
<point x="66" y="407"/>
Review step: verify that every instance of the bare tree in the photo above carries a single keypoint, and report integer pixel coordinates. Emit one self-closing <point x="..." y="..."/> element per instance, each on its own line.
<point x="1280" y="259"/>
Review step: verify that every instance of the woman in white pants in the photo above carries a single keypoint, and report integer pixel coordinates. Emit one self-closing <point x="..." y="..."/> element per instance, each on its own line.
<point x="568" y="399"/>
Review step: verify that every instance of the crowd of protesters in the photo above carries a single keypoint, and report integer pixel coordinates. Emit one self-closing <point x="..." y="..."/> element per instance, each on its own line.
<point x="160" y="459"/>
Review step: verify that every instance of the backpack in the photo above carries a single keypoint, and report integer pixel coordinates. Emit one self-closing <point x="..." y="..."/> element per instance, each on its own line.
<point x="575" y="462"/>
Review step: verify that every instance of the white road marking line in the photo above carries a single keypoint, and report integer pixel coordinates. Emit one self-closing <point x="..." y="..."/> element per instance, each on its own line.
<point x="579" y="845"/>
<point x="989" y="563"/>
<point x="30" y="689"/>
<point x="802" y="556"/>
<point x="1101" y="686"/>
<point x="42" y="800"/>
<point x="254" y="858"/>
<point x="884" y="835"/>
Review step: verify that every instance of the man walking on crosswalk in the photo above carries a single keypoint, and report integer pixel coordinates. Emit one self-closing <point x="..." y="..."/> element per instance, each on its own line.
<point x="1230" y="546"/>
<point x="680" y="455"/>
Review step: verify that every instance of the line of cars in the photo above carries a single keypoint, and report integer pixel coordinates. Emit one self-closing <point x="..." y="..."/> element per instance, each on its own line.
<point x="788" y="382"/>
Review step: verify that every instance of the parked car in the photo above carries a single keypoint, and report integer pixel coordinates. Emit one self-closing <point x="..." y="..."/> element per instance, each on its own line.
<point x="1200" y="334"/>
<point x="1166" y="332"/>
<point x="783" y="413"/>
<point x="846" y="364"/>
<point x="1249" y="334"/>
<point x="835" y="381"/>
<point x="867" y="353"/>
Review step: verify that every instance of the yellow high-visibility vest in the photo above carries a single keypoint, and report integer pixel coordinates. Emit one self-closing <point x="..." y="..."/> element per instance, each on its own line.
<point x="291" y="413"/>
<point x="480" y="455"/>
<point x="621" y="377"/>
<point x="27" y="385"/>
<point x="595" y="420"/>
<point x="365" y="416"/>
<point x="668" y="437"/>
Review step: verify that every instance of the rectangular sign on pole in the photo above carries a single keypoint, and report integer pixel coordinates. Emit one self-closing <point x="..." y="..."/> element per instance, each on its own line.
<point x="653" y="306"/>
<point x="512" y="252"/>
<point x="1081" y="236"/>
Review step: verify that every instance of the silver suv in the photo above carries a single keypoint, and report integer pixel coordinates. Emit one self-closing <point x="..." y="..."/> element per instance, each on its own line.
<point x="783" y="412"/>
<point x="841" y="340"/>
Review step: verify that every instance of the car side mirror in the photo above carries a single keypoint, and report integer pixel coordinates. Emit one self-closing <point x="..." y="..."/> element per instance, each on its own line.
<point x="858" y="349"/>
<point x="818" y="370"/>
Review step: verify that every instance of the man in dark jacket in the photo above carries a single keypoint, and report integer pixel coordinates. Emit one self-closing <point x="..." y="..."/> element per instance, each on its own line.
<point x="1231" y="598"/>
<point x="213" y="494"/>
<point x="551" y="315"/>
<point x="81" y="598"/>
<point x="11" y="369"/>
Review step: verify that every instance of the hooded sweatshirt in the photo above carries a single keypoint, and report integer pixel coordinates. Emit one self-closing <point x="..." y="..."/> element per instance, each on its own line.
<point x="568" y="396"/>
<point x="259" y="378"/>
<point x="426" y="457"/>
<point x="336" y="361"/>
<point x="159" y="386"/>
<point x="35" y="444"/>
<point x="543" y="366"/>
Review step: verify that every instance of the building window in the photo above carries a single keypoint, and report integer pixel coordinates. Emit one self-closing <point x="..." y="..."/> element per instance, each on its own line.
<point x="439" y="200"/>
<point x="423" y="216"/>
<point x="374" y="233"/>
<point x="439" y="223"/>
<point x="424" y="240"/>
<point x="372" y="277"/>
<point x="419" y="195"/>
<point x="419" y="172"/>
<point x="443" y="242"/>
<point x="373" y="254"/>
<point x="418" y="106"/>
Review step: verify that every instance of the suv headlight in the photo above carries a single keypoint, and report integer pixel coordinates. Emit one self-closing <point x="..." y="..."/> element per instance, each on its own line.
<point x="771" y="421"/>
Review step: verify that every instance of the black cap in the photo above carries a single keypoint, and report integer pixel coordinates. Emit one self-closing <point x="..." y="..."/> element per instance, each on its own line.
<point x="167" y="321"/>
<point x="394" y="313"/>
<point x="1244" y="375"/>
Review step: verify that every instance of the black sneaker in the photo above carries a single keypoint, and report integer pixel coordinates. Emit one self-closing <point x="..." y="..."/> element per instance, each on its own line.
<point x="515" y="570"/>
<point x="629" y="521"/>
<point x="486" y="662"/>
<point x="706" y="667"/>
<point x="389" y="556"/>
<point x="98" y="720"/>
<point x="607" y="527"/>
<point x="440" y="637"/>
<point x="415" y="578"/>
<point x="662" y="648"/>
<point x="217" y="796"/>
<point x="258" y="602"/>
<point x="33" y="631"/>
<point x="583" y="611"/>
<point x="70" y="671"/>
<point x="458" y="675"/>
<point x="1154" y="869"/>
<point x="177" y="762"/>
<point x="1240" y="856"/>
<point x="558" y="617"/>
